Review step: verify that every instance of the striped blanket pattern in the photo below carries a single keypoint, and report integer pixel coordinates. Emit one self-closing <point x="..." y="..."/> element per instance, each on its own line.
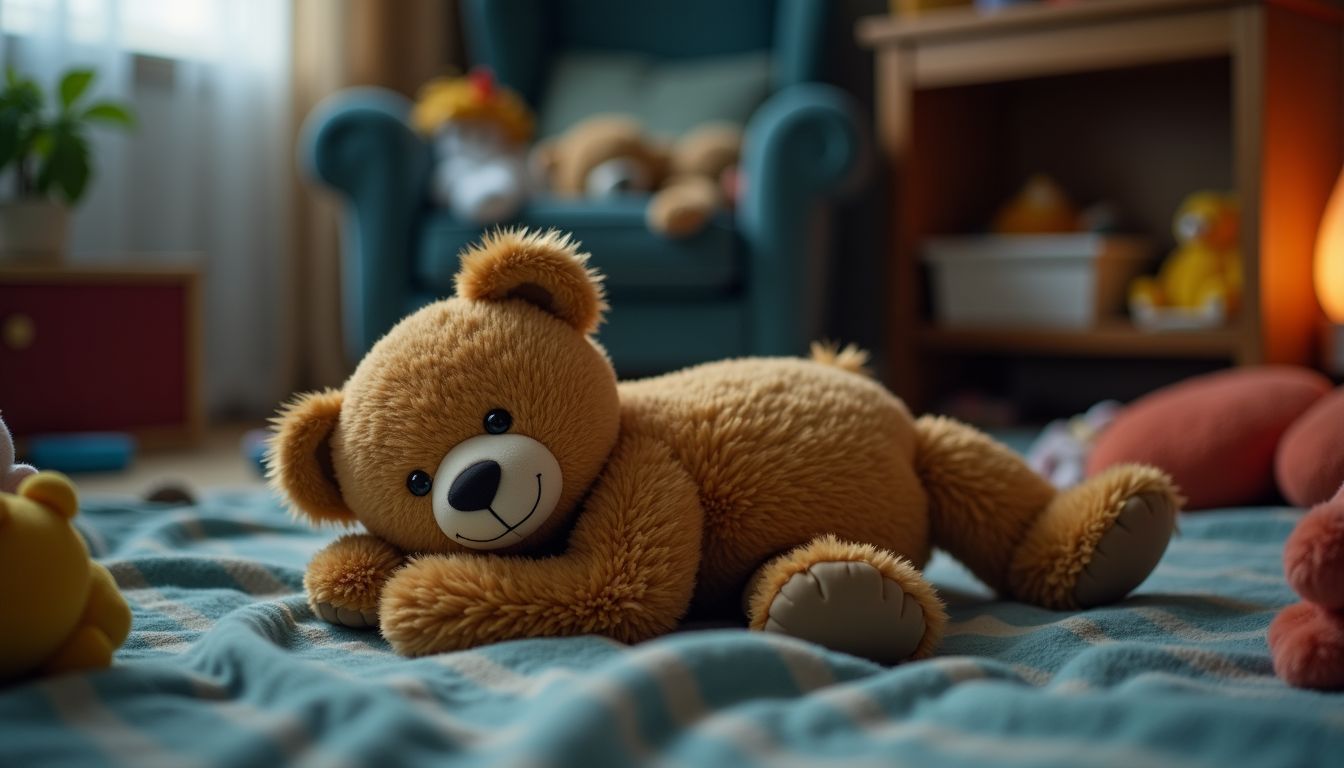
<point x="227" y="666"/>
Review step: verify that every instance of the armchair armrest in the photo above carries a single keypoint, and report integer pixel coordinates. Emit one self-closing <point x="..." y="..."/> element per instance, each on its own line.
<point x="360" y="143"/>
<point x="803" y="146"/>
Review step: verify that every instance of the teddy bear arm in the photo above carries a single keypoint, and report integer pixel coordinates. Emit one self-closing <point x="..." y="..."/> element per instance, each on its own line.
<point x="345" y="580"/>
<point x="629" y="572"/>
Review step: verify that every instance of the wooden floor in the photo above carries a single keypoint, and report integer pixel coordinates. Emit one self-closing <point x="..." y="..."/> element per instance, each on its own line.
<point x="218" y="463"/>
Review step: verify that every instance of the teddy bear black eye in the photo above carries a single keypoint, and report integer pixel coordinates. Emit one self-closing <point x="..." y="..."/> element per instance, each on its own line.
<point x="498" y="421"/>
<point x="419" y="482"/>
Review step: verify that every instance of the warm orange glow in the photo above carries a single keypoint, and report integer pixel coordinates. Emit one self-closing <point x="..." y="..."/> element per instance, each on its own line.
<point x="1330" y="256"/>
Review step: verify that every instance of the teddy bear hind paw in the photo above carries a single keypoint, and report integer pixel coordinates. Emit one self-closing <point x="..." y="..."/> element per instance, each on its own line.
<point x="852" y="608"/>
<point x="1128" y="552"/>
<point x="353" y="618"/>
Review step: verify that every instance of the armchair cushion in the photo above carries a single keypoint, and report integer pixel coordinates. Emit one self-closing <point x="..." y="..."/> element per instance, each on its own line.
<point x="668" y="96"/>
<point x="635" y="261"/>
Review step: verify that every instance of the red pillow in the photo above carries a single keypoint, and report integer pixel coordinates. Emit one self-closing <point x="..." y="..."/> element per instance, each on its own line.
<point x="1214" y="434"/>
<point x="1310" y="461"/>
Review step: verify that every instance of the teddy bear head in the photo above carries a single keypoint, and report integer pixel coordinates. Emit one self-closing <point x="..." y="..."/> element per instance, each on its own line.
<point x="39" y="546"/>
<point x="476" y="423"/>
<point x="602" y="156"/>
<point x="1210" y="219"/>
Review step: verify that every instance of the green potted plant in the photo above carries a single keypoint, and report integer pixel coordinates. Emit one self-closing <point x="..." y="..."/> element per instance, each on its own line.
<point x="48" y="150"/>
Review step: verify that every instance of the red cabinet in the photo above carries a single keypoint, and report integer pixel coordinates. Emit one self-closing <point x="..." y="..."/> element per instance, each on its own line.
<point x="101" y="350"/>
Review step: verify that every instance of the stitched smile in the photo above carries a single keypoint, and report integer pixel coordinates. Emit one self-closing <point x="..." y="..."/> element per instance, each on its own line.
<point x="507" y="528"/>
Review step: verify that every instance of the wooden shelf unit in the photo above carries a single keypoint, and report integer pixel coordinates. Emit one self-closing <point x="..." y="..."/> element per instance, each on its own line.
<point x="1269" y="103"/>
<point x="1112" y="340"/>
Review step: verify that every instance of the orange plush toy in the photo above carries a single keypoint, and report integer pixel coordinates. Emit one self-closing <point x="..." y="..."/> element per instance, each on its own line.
<point x="1307" y="639"/>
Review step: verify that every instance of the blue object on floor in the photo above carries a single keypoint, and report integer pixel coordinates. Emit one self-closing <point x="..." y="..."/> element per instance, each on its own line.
<point x="255" y="443"/>
<point x="82" y="452"/>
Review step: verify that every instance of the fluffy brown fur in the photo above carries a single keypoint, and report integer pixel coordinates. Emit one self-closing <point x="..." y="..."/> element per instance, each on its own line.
<point x="679" y="491"/>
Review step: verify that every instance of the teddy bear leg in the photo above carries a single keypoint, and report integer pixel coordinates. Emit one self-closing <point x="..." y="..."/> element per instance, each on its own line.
<point x="853" y="598"/>
<point x="1086" y="546"/>
<point x="345" y="580"/>
<point x="1096" y="542"/>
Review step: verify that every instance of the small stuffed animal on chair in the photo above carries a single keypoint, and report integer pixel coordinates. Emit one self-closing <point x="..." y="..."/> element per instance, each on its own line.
<point x="688" y="179"/>
<point x="62" y="611"/>
<point x="479" y="130"/>
<point x="509" y="487"/>
<point x="1307" y="638"/>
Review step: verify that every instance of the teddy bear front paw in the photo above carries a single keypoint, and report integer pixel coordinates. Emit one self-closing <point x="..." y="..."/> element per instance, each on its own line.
<point x="346" y="617"/>
<point x="849" y="607"/>
<point x="345" y="581"/>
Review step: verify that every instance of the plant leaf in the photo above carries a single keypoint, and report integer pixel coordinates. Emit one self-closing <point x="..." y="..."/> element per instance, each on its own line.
<point x="23" y="95"/>
<point x="112" y="114"/>
<point x="74" y="84"/>
<point x="40" y="141"/>
<point x="66" y="166"/>
<point x="10" y="130"/>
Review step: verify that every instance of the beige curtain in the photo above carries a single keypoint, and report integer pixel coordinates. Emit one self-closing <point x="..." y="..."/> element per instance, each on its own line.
<point x="397" y="44"/>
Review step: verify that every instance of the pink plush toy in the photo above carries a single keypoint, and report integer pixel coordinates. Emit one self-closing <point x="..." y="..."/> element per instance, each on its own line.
<point x="11" y="474"/>
<point x="1307" y="639"/>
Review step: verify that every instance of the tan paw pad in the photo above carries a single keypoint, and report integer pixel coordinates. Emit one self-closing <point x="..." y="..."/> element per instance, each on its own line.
<point x="849" y="607"/>
<point x="1128" y="552"/>
<point x="346" y="617"/>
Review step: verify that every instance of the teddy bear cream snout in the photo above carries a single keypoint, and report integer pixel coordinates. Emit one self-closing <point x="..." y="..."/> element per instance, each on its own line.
<point x="492" y="491"/>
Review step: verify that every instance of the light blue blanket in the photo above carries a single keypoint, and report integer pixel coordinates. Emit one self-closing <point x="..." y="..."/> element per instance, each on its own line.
<point x="227" y="666"/>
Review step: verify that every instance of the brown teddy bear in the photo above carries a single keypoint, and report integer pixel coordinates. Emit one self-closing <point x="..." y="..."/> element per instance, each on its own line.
<point x="510" y="487"/>
<point x="612" y="155"/>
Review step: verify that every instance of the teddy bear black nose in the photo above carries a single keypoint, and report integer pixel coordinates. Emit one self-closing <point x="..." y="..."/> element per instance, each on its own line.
<point x="475" y="487"/>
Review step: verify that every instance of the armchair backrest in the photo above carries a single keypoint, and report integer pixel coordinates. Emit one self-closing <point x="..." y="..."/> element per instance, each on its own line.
<point x="520" y="39"/>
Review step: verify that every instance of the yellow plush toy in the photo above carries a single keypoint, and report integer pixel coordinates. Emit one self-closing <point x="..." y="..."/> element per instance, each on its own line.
<point x="1200" y="282"/>
<point x="62" y="611"/>
<point x="509" y="487"/>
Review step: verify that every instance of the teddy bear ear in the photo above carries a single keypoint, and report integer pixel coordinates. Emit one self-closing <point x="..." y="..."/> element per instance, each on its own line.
<point x="299" y="460"/>
<point x="53" y="491"/>
<point x="543" y="268"/>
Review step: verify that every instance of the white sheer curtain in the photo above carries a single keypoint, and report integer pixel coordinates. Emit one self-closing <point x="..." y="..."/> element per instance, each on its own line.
<point x="205" y="177"/>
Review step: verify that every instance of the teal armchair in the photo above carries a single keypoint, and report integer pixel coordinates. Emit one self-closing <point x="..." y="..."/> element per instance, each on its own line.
<point x="747" y="285"/>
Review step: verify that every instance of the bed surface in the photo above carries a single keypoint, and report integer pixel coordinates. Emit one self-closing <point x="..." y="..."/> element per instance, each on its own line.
<point x="226" y="665"/>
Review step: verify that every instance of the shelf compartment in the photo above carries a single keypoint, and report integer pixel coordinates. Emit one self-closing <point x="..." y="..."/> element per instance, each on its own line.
<point x="1118" y="339"/>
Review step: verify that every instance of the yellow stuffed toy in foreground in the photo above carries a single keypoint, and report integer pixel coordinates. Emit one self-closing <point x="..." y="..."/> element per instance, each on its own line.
<point x="62" y="611"/>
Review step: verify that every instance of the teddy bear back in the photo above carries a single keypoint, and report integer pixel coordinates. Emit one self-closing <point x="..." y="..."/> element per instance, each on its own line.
<point x="45" y="572"/>
<point x="776" y="447"/>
